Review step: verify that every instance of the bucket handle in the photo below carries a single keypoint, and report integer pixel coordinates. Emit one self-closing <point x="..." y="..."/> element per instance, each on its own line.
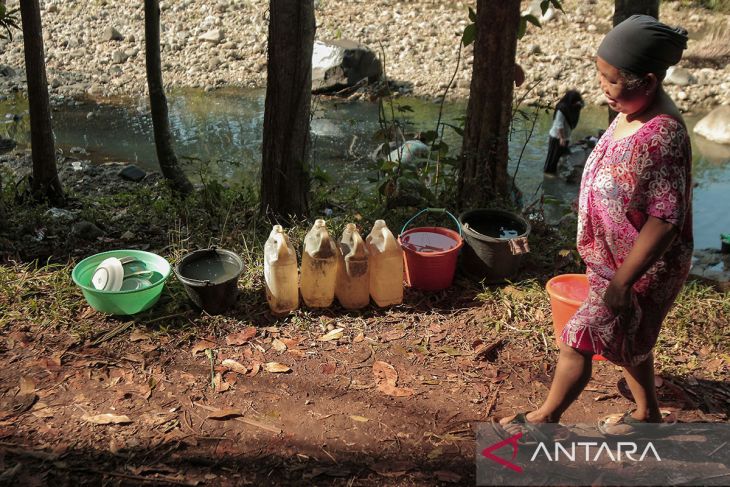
<point x="433" y="210"/>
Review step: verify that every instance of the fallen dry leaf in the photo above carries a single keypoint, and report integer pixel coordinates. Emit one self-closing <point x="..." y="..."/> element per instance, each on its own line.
<point x="384" y="373"/>
<point x="296" y="353"/>
<point x="276" y="368"/>
<point x="219" y="384"/>
<point x="138" y="335"/>
<point x="386" y="378"/>
<point x="291" y="342"/>
<point x="395" y="334"/>
<point x="224" y="414"/>
<point x="360" y="337"/>
<point x="255" y="368"/>
<point x="106" y="419"/>
<point x="234" y="366"/>
<point x="359" y="419"/>
<point x="27" y="385"/>
<point x="202" y="345"/>
<point x="41" y="410"/>
<point x="394" y="391"/>
<point x="241" y="337"/>
<point x="332" y="335"/>
<point x="278" y="345"/>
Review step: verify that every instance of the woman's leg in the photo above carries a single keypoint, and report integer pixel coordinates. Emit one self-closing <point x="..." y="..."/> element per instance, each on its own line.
<point x="553" y="155"/>
<point x="640" y="379"/>
<point x="572" y="374"/>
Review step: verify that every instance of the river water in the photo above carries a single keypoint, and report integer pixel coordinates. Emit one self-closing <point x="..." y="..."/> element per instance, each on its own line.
<point x="221" y="131"/>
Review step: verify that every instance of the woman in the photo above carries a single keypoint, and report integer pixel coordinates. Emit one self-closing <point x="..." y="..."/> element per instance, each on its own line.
<point x="565" y="118"/>
<point x="634" y="226"/>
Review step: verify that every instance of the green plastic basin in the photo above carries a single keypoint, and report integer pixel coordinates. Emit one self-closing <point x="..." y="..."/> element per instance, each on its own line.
<point x="122" y="302"/>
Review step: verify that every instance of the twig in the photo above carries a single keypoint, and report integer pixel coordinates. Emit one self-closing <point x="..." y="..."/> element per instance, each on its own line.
<point x="138" y="478"/>
<point x="251" y="422"/>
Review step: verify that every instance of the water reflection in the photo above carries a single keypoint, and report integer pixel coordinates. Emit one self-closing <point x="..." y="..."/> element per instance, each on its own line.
<point x="222" y="133"/>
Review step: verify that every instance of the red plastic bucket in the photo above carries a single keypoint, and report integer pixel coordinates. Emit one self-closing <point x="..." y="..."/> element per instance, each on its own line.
<point x="567" y="293"/>
<point x="430" y="253"/>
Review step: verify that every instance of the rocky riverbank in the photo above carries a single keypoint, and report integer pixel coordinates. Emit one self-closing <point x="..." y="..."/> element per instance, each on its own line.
<point x="96" y="47"/>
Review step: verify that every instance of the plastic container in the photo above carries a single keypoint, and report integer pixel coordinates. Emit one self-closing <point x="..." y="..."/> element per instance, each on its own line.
<point x="496" y="241"/>
<point x="280" y="272"/>
<point x="125" y="301"/>
<point x="431" y="253"/>
<point x="386" y="266"/>
<point x="210" y="278"/>
<point x="567" y="293"/>
<point x="353" y="272"/>
<point x="319" y="267"/>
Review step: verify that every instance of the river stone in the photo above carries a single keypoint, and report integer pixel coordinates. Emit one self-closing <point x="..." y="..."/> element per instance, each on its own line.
<point x="132" y="173"/>
<point x="118" y="57"/>
<point x="342" y="63"/>
<point x="7" y="71"/>
<point x="715" y="126"/>
<point x="214" y="36"/>
<point x="679" y="76"/>
<point x="112" y="34"/>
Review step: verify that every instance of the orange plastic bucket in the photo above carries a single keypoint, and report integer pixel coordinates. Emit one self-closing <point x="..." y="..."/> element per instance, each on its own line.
<point x="567" y="292"/>
<point x="430" y="253"/>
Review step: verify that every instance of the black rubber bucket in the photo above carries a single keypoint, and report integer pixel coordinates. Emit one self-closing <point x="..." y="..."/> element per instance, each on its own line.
<point x="496" y="241"/>
<point x="210" y="278"/>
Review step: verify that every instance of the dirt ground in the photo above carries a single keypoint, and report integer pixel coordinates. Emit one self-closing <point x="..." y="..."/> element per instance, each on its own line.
<point x="381" y="397"/>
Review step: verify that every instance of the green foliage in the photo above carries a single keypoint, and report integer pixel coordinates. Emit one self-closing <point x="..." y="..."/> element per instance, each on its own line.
<point x="8" y="21"/>
<point x="470" y="31"/>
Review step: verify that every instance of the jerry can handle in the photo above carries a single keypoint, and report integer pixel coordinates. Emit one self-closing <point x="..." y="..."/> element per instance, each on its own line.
<point x="432" y="210"/>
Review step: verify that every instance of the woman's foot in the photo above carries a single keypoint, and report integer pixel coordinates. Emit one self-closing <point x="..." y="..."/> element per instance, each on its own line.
<point x="534" y="426"/>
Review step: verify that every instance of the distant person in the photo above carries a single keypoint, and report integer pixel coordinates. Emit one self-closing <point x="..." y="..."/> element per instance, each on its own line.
<point x="565" y="118"/>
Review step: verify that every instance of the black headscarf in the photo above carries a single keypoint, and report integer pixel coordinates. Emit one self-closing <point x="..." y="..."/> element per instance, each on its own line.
<point x="570" y="108"/>
<point x="641" y="44"/>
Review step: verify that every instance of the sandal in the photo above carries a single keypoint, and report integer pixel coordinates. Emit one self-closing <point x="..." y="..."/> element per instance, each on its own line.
<point x="626" y="426"/>
<point x="532" y="433"/>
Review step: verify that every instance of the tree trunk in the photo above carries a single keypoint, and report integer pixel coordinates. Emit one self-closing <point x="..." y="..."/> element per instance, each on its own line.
<point x="623" y="9"/>
<point x="483" y="172"/>
<point x="286" y="144"/>
<point x="46" y="184"/>
<point x="158" y="102"/>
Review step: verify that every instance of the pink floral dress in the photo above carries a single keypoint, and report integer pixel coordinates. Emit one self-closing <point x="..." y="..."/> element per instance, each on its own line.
<point x="625" y="181"/>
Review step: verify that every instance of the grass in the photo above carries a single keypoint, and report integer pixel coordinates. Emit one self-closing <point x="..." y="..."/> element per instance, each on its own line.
<point x="40" y="291"/>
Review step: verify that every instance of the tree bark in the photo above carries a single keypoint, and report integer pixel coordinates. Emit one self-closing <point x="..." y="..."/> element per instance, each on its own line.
<point x="45" y="184"/>
<point x="286" y="143"/>
<point x="485" y="151"/>
<point x="158" y="102"/>
<point x="623" y="9"/>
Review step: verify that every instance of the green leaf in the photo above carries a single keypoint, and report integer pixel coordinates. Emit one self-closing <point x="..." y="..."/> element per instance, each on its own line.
<point x="532" y="19"/>
<point x="458" y="130"/>
<point x="404" y="108"/>
<point x="472" y="15"/>
<point x="388" y="166"/>
<point x="522" y="28"/>
<point x="544" y="5"/>
<point x="557" y="4"/>
<point x="470" y="33"/>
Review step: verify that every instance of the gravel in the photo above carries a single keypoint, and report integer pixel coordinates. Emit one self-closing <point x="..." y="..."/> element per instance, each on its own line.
<point x="96" y="47"/>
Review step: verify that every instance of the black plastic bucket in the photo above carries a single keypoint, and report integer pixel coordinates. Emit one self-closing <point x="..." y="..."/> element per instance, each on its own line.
<point x="496" y="241"/>
<point x="210" y="278"/>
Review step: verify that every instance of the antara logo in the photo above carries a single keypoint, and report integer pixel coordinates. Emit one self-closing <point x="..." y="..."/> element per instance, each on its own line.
<point x="594" y="452"/>
<point x="512" y="440"/>
<point x="628" y="449"/>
